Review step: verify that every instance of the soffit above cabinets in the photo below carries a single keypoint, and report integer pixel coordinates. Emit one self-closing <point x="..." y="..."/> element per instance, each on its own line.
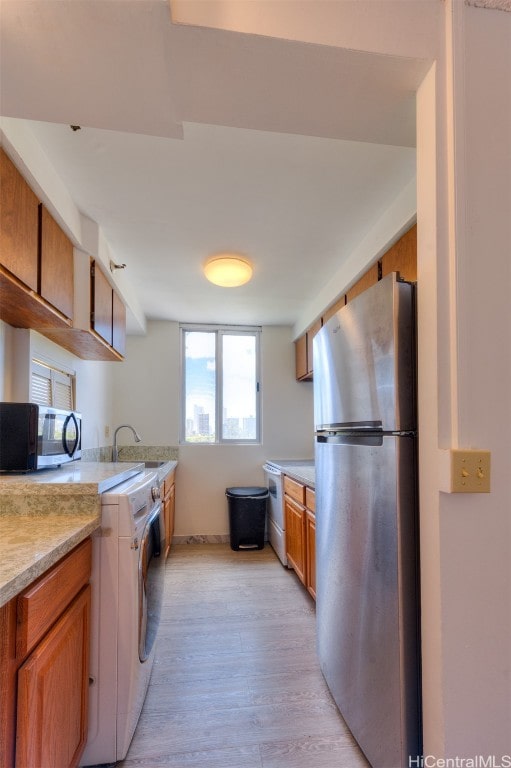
<point x="196" y="140"/>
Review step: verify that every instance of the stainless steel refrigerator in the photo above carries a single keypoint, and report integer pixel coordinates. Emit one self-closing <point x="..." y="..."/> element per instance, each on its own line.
<point x="366" y="519"/>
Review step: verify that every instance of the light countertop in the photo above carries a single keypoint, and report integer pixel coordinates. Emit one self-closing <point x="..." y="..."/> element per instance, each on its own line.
<point x="302" y="470"/>
<point x="43" y="515"/>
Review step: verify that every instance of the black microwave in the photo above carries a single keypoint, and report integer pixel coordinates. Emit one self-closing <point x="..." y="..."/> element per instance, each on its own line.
<point x="36" y="437"/>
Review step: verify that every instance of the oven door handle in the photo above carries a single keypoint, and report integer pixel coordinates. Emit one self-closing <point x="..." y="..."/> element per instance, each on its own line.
<point x="271" y="470"/>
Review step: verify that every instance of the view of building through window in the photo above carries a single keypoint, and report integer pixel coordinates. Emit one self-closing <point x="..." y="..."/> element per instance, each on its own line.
<point x="220" y="386"/>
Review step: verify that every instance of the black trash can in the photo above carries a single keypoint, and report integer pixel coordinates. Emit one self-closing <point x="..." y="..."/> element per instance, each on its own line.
<point x="247" y="516"/>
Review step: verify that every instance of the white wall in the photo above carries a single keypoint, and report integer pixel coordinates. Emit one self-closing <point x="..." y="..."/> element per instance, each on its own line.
<point x="146" y="386"/>
<point x="475" y="531"/>
<point x="147" y="392"/>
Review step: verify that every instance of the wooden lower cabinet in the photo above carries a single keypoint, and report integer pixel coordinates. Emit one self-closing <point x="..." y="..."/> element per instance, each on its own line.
<point x="295" y="536"/>
<point x="51" y="724"/>
<point x="299" y="507"/>
<point x="44" y="667"/>
<point x="168" y="500"/>
<point x="310" y="549"/>
<point x="172" y="511"/>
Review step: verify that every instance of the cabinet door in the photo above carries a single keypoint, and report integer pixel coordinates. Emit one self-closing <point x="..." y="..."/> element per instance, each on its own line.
<point x="335" y="307"/>
<point x="310" y="548"/>
<point x="19" y="224"/>
<point x="57" y="283"/>
<point x="315" y="327"/>
<point x="53" y="693"/>
<point x="366" y="281"/>
<point x="166" y="517"/>
<point x="118" y="324"/>
<point x="172" y="511"/>
<point x="8" y="676"/>
<point x="301" y="357"/>
<point x="101" y="304"/>
<point x="169" y="506"/>
<point x="295" y="536"/>
<point x="56" y="588"/>
<point x="402" y="256"/>
<point x="294" y="489"/>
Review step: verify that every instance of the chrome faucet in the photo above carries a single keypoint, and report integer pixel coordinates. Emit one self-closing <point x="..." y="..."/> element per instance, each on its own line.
<point x="115" y="452"/>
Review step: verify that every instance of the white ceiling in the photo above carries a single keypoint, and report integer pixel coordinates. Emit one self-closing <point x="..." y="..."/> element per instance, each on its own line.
<point x="195" y="141"/>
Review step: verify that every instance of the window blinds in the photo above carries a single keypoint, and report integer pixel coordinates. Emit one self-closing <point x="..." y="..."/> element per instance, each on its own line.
<point x="49" y="386"/>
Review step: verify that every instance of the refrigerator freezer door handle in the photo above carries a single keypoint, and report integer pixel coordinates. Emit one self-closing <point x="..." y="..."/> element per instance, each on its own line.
<point x="352" y="438"/>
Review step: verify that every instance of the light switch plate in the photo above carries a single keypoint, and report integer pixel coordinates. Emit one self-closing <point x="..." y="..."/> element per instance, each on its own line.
<point x="470" y="471"/>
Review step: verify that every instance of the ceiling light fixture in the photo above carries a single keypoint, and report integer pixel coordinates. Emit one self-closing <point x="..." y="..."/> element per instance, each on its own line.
<point x="228" y="271"/>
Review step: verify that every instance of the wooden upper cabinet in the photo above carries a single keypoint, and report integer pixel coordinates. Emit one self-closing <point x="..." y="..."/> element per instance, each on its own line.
<point x="335" y="307"/>
<point x="118" y="324"/>
<point x="99" y="324"/>
<point x="303" y="352"/>
<point x="40" y="272"/>
<point x="402" y="257"/>
<point x="301" y="357"/>
<point x="312" y="331"/>
<point x="108" y="311"/>
<point x="56" y="277"/>
<point x="19" y="222"/>
<point x="101" y="304"/>
<point x="366" y="281"/>
<point x="36" y="258"/>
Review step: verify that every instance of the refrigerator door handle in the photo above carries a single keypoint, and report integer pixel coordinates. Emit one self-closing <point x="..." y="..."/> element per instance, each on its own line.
<point x="350" y="426"/>
<point x="373" y="439"/>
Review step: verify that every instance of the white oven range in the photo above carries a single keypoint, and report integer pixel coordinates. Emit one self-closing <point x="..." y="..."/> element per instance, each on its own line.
<point x="274" y="471"/>
<point x="127" y="590"/>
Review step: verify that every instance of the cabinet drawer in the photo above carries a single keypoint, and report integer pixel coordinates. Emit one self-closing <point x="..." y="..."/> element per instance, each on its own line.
<point x="294" y="489"/>
<point x="43" y="602"/>
<point x="169" y="481"/>
<point x="310" y="499"/>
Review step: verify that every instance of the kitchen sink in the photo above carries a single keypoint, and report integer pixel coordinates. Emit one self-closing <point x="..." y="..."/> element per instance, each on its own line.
<point x="147" y="464"/>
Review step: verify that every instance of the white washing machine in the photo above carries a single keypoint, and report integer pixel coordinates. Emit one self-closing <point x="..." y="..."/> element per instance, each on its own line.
<point x="127" y="582"/>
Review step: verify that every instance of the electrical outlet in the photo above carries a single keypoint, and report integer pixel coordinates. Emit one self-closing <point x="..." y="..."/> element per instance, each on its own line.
<point x="107" y="431"/>
<point x="470" y="471"/>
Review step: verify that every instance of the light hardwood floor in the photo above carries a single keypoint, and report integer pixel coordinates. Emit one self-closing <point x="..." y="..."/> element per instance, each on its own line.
<point x="236" y="682"/>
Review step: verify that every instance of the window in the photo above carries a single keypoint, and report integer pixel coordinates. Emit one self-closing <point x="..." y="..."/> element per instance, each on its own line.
<point x="50" y="386"/>
<point x="220" y="367"/>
